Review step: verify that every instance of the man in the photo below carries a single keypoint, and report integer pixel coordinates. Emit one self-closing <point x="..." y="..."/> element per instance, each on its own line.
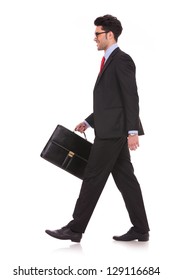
<point x="117" y="126"/>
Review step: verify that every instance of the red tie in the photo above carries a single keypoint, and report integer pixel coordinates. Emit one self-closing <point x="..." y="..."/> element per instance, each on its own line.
<point x="102" y="64"/>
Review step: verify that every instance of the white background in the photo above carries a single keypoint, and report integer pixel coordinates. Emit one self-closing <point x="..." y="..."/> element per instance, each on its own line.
<point x="48" y="66"/>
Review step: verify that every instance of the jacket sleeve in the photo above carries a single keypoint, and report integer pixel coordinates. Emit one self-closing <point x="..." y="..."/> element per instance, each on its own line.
<point x="126" y="76"/>
<point x="90" y="120"/>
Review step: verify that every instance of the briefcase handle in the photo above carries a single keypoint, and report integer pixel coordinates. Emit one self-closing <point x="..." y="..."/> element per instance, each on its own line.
<point x="84" y="134"/>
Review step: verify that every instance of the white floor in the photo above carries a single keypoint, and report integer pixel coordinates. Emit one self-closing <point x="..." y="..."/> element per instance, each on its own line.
<point x="31" y="248"/>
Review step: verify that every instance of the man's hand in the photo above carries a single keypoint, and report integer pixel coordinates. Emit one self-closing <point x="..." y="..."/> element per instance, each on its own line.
<point x="133" y="142"/>
<point x="81" y="127"/>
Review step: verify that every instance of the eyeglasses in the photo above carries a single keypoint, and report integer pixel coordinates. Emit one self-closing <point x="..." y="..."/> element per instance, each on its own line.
<point x="98" y="33"/>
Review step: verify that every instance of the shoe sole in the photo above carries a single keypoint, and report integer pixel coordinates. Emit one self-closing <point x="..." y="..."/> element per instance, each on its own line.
<point x="137" y="239"/>
<point x="143" y="239"/>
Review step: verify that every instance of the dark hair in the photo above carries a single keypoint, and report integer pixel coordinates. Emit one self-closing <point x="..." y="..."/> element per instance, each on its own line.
<point x="110" y="23"/>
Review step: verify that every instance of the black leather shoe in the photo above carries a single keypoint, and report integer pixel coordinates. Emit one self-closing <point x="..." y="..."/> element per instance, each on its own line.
<point x="65" y="234"/>
<point x="132" y="235"/>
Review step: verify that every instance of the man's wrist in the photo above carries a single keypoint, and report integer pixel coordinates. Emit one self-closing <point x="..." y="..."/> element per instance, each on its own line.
<point x="86" y="123"/>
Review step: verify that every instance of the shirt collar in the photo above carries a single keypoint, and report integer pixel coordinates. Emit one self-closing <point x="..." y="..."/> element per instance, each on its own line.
<point x="110" y="50"/>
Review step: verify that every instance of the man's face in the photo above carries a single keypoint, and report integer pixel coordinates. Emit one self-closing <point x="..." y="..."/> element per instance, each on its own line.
<point x="101" y="38"/>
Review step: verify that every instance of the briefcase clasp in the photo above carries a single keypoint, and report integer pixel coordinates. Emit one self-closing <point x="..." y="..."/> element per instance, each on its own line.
<point x="71" y="154"/>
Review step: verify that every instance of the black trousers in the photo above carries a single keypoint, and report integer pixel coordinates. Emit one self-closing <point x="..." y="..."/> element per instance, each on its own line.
<point x="109" y="156"/>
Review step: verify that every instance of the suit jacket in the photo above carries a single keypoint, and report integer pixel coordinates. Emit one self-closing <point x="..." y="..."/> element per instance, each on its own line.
<point x="116" y="101"/>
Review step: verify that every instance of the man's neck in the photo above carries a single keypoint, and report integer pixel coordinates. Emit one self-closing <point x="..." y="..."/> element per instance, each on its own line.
<point x="109" y="50"/>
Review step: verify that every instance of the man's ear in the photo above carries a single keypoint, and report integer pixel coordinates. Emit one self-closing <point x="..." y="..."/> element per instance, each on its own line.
<point x="111" y="35"/>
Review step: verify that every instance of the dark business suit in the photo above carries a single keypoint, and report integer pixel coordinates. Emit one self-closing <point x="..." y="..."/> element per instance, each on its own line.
<point x="116" y="111"/>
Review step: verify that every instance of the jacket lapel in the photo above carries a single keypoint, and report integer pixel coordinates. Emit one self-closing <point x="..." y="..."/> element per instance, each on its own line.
<point x="109" y="60"/>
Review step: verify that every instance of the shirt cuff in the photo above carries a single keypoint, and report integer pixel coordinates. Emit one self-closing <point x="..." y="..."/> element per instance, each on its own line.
<point x="86" y="123"/>
<point x="133" y="132"/>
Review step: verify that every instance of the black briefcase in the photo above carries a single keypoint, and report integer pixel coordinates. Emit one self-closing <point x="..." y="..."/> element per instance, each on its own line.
<point x="68" y="151"/>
